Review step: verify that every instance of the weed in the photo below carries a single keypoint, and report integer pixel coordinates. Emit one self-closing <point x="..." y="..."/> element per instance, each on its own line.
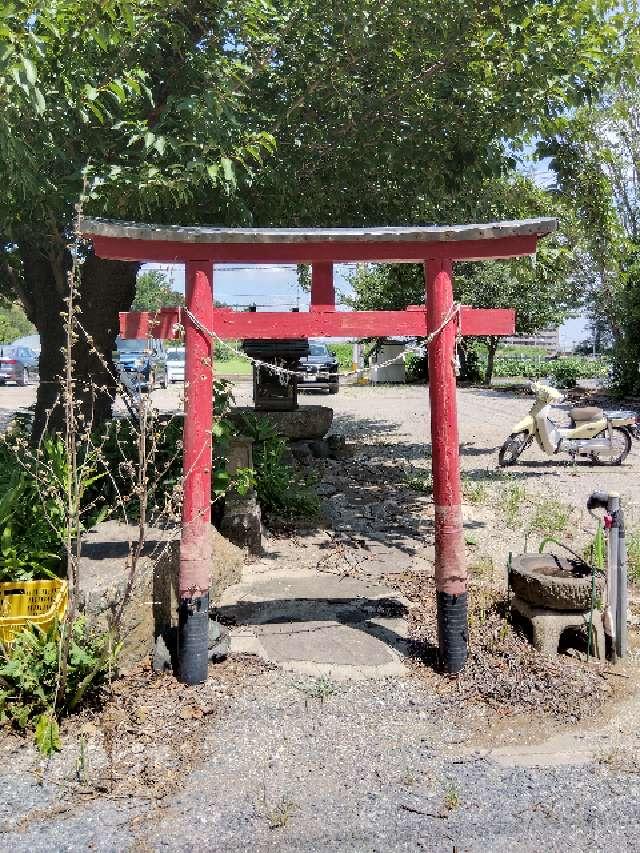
<point x="474" y="491"/>
<point x="550" y="517"/>
<point x="510" y="502"/>
<point x="278" y="817"/>
<point x="471" y="540"/>
<point x="451" y="797"/>
<point x="633" y="556"/>
<point x="409" y="779"/>
<point x="29" y="677"/>
<point x="320" y="688"/>
<point x="280" y="488"/>
<point x="420" y="483"/>
<point x="483" y="569"/>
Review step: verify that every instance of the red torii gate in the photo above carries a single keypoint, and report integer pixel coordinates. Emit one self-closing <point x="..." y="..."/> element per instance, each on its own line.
<point x="200" y="248"/>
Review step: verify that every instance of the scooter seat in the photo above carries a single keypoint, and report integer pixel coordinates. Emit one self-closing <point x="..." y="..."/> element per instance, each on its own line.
<point x="586" y="413"/>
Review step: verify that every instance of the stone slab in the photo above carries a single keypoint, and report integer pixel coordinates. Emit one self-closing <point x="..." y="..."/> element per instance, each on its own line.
<point x="319" y="623"/>
<point x="305" y="422"/>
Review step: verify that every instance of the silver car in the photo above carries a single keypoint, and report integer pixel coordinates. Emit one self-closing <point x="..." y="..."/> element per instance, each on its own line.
<point x="175" y="365"/>
<point x="17" y="364"/>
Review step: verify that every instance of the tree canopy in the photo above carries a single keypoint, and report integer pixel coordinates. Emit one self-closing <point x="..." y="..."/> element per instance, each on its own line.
<point x="384" y="109"/>
<point x="153" y="291"/>
<point x="251" y="112"/>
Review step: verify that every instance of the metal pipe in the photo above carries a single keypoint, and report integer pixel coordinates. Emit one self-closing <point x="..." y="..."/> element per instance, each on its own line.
<point x="622" y="592"/>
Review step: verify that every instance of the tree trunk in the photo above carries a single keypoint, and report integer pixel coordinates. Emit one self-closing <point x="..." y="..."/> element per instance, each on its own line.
<point x="106" y="287"/>
<point x="492" y="346"/>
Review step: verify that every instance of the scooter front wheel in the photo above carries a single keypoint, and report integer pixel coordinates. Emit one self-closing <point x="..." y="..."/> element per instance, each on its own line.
<point x="620" y="447"/>
<point x="512" y="449"/>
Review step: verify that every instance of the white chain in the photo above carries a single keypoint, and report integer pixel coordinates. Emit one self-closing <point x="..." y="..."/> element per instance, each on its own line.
<point x="283" y="371"/>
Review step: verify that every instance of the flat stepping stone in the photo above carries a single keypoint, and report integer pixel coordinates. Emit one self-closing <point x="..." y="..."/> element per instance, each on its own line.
<point x="320" y="624"/>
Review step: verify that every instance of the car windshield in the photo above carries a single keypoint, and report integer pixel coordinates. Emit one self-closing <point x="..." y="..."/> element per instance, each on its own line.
<point x="131" y="345"/>
<point x="318" y="350"/>
<point x="175" y="355"/>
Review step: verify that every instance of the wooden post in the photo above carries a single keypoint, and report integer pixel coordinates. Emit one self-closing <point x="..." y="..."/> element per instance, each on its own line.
<point x="196" y="542"/>
<point x="323" y="294"/>
<point x="450" y="571"/>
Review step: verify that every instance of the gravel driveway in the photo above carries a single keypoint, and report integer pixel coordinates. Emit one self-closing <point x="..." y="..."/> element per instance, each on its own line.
<point x="286" y="762"/>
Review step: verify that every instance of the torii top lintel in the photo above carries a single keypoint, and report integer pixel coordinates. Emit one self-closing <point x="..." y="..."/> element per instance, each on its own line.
<point x="174" y="243"/>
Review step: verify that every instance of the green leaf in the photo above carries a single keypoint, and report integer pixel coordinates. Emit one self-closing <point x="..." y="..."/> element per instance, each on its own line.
<point x="29" y="70"/>
<point x="159" y="145"/>
<point x="228" y="170"/>
<point x="118" y="90"/>
<point x="90" y="92"/>
<point x="39" y="101"/>
<point x="47" y="734"/>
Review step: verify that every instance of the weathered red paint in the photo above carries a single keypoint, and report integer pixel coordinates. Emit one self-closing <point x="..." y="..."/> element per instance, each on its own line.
<point x="195" y="543"/>
<point x="328" y="251"/>
<point x="450" y="571"/>
<point x="321" y="321"/>
<point x="238" y="325"/>
<point x="323" y="294"/>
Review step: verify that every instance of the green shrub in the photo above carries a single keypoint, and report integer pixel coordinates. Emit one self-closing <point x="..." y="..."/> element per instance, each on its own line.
<point x="562" y="371"/>
<point x="34" y="507"/>
<point x="280" y="489"/>
<point x="29" y="675"/>
<point x="344" y="354"/>
<point x="119" y="458"/>
<point x="416" y="367"/>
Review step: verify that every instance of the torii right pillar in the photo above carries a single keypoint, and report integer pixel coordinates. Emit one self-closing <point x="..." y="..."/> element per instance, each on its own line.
<point x="450" y="569"/>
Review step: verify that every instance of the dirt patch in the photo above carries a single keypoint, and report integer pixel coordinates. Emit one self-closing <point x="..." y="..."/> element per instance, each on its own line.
<point x="140" y="740"/>
<point x="503" y="670"/>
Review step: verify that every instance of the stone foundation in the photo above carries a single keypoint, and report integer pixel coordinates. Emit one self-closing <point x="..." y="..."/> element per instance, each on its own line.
<point x="548" y="625"/>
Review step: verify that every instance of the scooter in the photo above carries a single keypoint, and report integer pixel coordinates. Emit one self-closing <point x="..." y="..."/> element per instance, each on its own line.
<point x="605" y="437"/>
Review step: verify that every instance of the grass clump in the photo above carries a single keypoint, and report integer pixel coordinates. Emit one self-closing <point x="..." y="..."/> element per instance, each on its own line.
<point x="451" y="797"/>
<point x="633" y="556"/>
<point x="510" y="501"/>
<point x="550" y="517"/>
<point x="474" y="491"/>
<point x="420" y="483"/>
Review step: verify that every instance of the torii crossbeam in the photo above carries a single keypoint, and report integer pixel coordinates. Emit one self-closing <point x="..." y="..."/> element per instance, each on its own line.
<point x="199" y="249"/>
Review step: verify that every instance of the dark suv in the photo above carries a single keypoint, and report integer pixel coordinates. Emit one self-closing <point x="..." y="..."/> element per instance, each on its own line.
<point x="319" y="361"/>
<point x="141" y="362"/>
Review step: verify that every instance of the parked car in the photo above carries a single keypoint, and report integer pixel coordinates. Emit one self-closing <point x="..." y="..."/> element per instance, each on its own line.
<point x="175" y="365"/>
<point x="319" y="361"/>
<point x="17" y="364"/>
<point x="141" y="362"/>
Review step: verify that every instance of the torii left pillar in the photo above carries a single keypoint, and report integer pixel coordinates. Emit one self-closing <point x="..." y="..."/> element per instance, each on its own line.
<point x="450" y="569"/>
<point x="196" y="554"/>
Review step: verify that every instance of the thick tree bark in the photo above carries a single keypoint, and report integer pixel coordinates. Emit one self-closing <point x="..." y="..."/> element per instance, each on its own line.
<point x="492" y="346"/>
<point x="106" y="287"/>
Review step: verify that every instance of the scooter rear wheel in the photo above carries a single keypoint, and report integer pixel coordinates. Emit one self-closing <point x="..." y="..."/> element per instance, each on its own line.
<point x="621" y="442"/>
<point x="512" y="449"/>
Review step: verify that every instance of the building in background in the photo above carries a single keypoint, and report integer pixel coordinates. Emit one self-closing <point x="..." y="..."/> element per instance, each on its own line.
<point x="546" y="339"/>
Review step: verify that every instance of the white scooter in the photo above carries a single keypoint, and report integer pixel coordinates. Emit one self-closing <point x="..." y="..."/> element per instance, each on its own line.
<point x="605" y="437"/>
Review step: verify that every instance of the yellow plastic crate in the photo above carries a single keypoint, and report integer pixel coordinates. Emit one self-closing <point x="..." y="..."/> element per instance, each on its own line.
<point x="25" y="603"/>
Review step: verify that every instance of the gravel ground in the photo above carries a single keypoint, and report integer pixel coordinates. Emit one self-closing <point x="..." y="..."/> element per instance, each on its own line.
<point x="371" y="766"/>
<point x="259" y="759"/>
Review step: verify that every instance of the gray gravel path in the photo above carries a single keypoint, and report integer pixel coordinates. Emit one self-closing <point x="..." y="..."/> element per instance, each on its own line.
<point x="375" y="765"/>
